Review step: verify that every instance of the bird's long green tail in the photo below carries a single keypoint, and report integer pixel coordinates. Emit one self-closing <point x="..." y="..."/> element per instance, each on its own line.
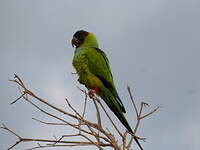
<point x="111" y="101"/>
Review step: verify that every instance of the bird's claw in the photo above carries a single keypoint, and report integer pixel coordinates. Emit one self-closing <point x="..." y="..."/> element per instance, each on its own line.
<point x="91" y="93"/>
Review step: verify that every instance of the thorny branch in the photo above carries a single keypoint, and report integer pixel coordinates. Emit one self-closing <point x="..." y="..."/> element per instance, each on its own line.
<point x="91" y="133"/>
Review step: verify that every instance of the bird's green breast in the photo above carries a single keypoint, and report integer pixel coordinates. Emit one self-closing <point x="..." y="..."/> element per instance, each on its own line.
<point x="80" y="63"/>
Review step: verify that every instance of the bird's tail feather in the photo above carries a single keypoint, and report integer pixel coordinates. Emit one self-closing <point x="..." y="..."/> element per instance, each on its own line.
<point x="112" y="103"/>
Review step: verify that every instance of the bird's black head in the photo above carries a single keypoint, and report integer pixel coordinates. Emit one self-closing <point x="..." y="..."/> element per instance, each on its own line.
<point x="78" y="38"/>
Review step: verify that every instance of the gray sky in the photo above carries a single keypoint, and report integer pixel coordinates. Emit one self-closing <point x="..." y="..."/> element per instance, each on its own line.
<point x="152" y="45"/>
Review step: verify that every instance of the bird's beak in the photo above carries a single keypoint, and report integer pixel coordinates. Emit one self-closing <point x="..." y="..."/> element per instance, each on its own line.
<point x="74" y="41"/>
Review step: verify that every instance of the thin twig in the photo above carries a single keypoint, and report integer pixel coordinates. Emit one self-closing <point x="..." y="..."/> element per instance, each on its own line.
<point x="72" y="108"/>
<point x="49" y="123"/>
<point x="133" y="100"/>
<point x="9" y="130"/>
<point x="98" y="113"/>
<point x="144" y="116"/>
<point x="17" y="99"/>
<point x="85" y="104"/>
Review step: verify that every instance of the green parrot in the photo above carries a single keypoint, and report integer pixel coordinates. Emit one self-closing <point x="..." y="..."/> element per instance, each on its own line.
<point x="94" y="72"/>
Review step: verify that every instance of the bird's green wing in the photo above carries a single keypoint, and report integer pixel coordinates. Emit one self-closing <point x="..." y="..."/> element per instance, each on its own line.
<point x="99" y="66"/>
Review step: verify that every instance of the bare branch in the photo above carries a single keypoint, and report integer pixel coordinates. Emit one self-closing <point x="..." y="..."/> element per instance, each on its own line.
<point x="90" y="133"/>
<point x="72" y="108"/>
<point x="133" y="100"/>
<point x="98" y="113"/>
<point x="49" y="123"/>
<point x="85" y="104"/>
<point x="142" y="117"/>
<point x="17" y="99"/>
<point x="6" y="128"/>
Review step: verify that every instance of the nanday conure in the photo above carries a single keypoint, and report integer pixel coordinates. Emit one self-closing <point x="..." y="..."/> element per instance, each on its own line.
<point x="94" y="72"/>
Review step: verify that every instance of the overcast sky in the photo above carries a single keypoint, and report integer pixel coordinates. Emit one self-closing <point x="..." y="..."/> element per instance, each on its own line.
<point x="152" y="45"/>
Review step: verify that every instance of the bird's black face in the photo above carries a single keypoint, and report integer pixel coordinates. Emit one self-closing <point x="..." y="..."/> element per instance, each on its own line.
<point x="78" y="38"/>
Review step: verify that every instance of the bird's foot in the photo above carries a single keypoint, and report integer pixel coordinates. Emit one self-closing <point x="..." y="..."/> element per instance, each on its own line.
<point x="91" y="93"/>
